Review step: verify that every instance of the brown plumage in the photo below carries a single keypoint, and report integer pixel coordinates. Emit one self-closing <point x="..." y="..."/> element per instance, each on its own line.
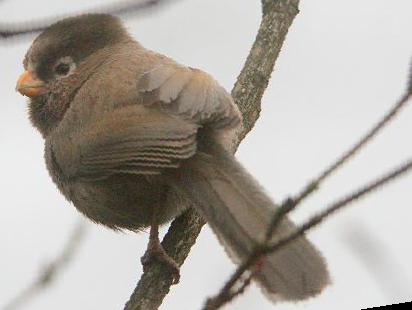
<point x="132" y="138"/>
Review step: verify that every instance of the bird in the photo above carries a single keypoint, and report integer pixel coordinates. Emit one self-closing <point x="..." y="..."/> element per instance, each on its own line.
<point x="133" y="139"/>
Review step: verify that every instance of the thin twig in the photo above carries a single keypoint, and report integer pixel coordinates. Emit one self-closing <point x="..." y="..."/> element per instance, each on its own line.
<point x="130" y="7"/>
<point x="291" y="203"/>
<point x="339" y="204"/>
<point x="226" y="293"/>
<point x="48" y="274"/>
<point x="247" y="93"/>
<point x="229" y="295"/>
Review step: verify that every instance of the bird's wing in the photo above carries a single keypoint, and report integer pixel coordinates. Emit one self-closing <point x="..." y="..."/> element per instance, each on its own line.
<point x="154" y="131"/>
<point x="130" y="140"/>
<point x="189" y="93"/>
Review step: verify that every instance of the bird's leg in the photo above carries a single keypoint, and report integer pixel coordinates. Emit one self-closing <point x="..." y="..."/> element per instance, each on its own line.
<point x="156" y="252"/>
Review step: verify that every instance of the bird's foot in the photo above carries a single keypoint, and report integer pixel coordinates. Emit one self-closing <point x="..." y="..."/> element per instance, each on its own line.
<point x="156" y="253"/>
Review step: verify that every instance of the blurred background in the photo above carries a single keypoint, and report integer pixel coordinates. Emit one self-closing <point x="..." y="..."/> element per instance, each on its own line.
<point x="344" y="63"/>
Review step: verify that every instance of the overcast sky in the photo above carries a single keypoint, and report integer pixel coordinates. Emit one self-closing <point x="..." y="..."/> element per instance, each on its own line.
<point x="344" y="63"/>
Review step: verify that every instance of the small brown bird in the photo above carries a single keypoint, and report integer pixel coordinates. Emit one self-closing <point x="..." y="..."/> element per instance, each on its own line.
<point x="133" y="138"/>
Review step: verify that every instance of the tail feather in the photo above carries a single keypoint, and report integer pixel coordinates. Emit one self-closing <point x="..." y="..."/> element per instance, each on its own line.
<point x="239" y="212"/>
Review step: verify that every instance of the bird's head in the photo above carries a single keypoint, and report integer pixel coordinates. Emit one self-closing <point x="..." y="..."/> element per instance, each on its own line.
<point x="60" y="60"/>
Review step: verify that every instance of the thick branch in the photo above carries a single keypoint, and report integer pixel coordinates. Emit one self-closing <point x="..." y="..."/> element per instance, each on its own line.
<point x="247" y="92"/>
<point x="254" y="78"/>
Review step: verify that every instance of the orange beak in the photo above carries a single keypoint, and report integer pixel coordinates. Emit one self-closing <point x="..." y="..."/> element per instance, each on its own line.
<point x="29" y="85"/>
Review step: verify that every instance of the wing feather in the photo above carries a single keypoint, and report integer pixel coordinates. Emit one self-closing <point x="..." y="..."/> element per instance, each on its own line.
<point x="132" y="140"/>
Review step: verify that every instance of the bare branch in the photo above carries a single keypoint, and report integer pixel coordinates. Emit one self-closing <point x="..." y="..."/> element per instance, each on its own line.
<point x="255" y="75"/>
<point x="228" y="295"/>
<point x="130" y="7"/>
<point x="228" y="292"/>
<point x="339" y="204"/>
<point x="48" y="274"/>
<point x="247" y="92"/>
<point x="291" y="203"/>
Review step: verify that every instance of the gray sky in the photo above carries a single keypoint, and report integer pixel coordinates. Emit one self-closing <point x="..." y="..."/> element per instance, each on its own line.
<point x="343" y="65"/>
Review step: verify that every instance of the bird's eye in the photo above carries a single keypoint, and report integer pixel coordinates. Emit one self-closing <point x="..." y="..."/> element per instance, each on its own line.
<point x="64" y="66"/>
<point x="62" y="69"/>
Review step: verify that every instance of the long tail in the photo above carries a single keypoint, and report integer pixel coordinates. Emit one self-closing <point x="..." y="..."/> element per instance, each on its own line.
<point x="239" y="212"/>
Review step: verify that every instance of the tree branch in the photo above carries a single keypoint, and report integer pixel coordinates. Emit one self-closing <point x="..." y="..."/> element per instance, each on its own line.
<point x="247" y="93"/>
<point x="255" y="75"/>
<point x="228" y="291"/>
<point x="291" y="203"/>
<point x="341" y="203"/>
<point x="236" y="284"/>
<point x="130" y="7"/>
<point x="48" y="274"/>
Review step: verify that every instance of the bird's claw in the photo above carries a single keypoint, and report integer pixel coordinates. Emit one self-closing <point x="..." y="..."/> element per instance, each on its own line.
<point x="158" y="254"/>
